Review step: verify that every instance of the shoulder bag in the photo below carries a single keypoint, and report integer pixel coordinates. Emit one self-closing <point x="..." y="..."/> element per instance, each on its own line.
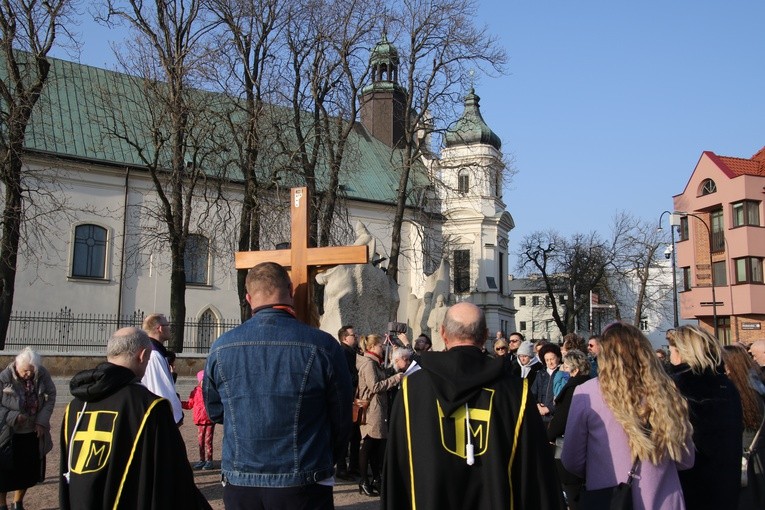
<point x="753" y="469"/>
<point x="610" y="498"/>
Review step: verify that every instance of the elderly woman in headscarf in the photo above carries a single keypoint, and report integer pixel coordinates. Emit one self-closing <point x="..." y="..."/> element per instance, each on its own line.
<point x="28" y="397"/>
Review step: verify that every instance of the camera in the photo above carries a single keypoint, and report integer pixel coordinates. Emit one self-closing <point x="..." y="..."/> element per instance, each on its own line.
<point x="397" y="327"/>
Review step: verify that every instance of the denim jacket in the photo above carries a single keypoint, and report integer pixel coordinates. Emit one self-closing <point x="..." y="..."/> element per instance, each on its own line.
<point x="282" y="391"/>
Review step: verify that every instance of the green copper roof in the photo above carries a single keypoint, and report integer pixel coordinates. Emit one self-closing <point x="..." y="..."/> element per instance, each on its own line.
<point x="81" y="105"/>
<point x="471" y="128"/>
<point x="384" y="53"/>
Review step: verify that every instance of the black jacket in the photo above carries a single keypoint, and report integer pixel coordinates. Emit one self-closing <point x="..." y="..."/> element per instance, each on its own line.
<point x="715" y="412"/>
<point x="557" y="425"/>
<point x="426" y="453"/>
<point x="126" y="451"/>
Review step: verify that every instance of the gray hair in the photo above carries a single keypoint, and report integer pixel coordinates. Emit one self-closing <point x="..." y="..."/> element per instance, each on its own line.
<point x="473" y="331"/>
<point x="29" y="356"/>
<point x="577" y="360"/>
<point x="404" y="353"/>
<point x="128" y="341"/>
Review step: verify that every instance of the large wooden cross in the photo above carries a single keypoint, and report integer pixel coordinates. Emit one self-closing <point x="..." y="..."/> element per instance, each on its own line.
<point x="299" y="259"/>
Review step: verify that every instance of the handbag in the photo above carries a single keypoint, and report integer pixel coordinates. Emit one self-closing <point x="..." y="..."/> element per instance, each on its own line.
<point x="6" y="453"/>
<point x="753" y="470"/>
<point x="359" y="412"/>
<point x="610" y="498"/>
<point x="558" y="446"/>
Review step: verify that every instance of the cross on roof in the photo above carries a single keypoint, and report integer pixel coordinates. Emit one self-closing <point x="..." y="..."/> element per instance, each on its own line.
<point x="299" y="259"/>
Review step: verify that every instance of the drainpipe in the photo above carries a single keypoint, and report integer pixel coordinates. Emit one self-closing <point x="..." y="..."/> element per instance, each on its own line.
<point x="124" y="237"/>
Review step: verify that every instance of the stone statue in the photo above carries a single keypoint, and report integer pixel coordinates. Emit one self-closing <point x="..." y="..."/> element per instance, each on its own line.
<point x="360" y="294"/>
<point x="435" y="284"/>
<point x="435" y="319"/>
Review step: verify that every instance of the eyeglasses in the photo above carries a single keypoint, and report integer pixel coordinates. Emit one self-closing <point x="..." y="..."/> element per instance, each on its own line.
<point x="500" y="349"/>
<point x="514" y="341"/>
<point x="352" y="335"/>
<point x="590" y="345"/>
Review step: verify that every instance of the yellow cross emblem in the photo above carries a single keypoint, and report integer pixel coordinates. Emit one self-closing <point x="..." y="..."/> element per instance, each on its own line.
<point x="92" y="446"/>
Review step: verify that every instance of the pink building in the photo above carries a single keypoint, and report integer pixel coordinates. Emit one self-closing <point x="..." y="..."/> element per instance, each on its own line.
<point x="724" y="199"/>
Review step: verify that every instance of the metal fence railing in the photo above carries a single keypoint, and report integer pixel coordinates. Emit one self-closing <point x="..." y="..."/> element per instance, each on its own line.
<point x="64" y="331"/>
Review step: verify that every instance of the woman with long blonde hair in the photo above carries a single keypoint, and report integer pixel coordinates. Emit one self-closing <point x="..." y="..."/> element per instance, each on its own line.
<point x="714" y="481"/>
<point x="632" y="410"/>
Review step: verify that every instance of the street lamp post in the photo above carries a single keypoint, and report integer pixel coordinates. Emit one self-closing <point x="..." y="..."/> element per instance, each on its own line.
<point x="711" y="267"/>
<point x="673" y="222"/>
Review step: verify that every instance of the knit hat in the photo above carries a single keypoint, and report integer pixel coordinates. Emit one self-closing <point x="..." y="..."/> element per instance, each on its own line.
<point x="200" y="375"/>
<point x="526" y="349"/>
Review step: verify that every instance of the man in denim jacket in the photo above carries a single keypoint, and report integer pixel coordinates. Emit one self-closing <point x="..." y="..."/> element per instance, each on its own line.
<point x="281" y="389"/>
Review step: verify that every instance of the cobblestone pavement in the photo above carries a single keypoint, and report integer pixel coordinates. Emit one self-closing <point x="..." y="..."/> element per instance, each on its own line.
<point x="44" y="496"/>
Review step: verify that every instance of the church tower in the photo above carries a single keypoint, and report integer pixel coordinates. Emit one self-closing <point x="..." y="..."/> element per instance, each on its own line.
<point x="477" y="224"/>
<point x="383" y="100"/>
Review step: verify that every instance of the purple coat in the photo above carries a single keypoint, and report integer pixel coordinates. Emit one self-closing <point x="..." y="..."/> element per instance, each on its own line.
<point x="596" y="448"/>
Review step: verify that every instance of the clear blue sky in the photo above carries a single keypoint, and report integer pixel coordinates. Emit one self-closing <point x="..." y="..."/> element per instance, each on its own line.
<point x="608" y="105"/>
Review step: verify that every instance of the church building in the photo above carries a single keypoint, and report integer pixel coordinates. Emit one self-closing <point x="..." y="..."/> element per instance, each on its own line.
<point x="94" y="260"/>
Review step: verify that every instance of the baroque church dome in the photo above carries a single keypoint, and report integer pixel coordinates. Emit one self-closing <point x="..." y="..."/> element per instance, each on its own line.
<point x="471" y="128"/>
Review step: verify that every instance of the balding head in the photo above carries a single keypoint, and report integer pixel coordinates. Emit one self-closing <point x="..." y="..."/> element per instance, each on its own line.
<point x="464" y="324"/>
<point x="129" y="348"/>
<point x="757" y="350"/>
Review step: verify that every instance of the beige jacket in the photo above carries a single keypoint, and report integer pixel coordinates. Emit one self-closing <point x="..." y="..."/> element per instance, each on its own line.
<point x="373" y="386"/>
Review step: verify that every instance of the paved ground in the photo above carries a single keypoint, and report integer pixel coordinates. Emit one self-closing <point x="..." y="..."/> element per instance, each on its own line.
<point x="45" y="496"/>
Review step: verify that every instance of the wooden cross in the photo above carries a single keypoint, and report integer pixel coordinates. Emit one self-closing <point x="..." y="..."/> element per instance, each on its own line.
<point x="299" y="259"/>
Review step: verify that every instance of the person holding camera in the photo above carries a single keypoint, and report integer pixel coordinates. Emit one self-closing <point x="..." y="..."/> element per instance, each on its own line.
<point x="373" y="387"/>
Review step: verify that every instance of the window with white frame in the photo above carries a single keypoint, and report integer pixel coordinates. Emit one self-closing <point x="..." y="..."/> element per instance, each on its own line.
<point x="89" y="253"/>
<point x="197" y="259"/>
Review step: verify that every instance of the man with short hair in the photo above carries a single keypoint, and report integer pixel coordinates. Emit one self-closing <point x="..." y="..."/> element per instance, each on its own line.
<point x="757" y="351"/>
<point x="120" y="447"/>
<point x="593" y="348"/>
<point x="514" y="341"/>
<point x="464" y="433"/>
<point x="158" y="377"/>
<point x="282" y="391"/>
<point x="350" y="345"/>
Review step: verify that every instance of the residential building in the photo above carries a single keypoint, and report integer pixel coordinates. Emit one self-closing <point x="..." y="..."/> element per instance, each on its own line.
<point x="533" y="309"/>
<point x="721" y="246"/>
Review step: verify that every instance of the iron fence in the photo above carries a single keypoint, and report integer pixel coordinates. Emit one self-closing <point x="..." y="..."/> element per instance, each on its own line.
<point x="65" y="331"/>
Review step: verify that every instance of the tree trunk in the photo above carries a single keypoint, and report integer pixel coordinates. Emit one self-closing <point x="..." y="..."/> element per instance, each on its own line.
<point x="177" y="298"/>
<point x="9" y="246"/>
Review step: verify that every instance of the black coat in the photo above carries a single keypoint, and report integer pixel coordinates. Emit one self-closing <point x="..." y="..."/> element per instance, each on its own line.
<point x="715" y="412"/>
<point x="557" y="425"/>
<point x="425" y="459"/>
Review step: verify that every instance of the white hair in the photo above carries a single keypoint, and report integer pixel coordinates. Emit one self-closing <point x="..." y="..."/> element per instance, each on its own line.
<point x="404" y="353"/>
<point x="29" y="356"/>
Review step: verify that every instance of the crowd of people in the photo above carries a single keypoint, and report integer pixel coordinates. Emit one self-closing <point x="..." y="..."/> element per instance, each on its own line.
<point x="510" y="423"/>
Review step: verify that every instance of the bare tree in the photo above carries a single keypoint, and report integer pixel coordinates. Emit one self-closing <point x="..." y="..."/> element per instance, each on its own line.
<point x="440" y="45"/>
<point x="175" y="140"/>
<point x="574" y="265"/>
<point x="29" y="31"/>
<point x="635" y="281"/>
<point x="326" y="64"/>
<point x="245" y="46"/>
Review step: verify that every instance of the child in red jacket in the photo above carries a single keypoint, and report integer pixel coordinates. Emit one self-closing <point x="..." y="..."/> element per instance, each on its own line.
<point x="205" y="426"/>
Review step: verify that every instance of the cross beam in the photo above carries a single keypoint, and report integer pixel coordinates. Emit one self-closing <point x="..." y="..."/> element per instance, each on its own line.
<point x="300" y="259"/>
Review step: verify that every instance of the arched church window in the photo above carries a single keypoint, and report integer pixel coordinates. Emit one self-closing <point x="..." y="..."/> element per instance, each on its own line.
<point x="196" y="259"/>
<point x="206" y="330"/>
<point x="89" y="254"/>
<point x="708" y="187"/>
<point x="463" y="181"/>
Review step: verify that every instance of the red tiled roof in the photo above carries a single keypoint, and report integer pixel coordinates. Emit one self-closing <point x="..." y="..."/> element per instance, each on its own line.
<point x="741" y="166"/>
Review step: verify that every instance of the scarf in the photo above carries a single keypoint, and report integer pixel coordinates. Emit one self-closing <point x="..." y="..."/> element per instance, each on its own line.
<point x="29" y="401"/>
